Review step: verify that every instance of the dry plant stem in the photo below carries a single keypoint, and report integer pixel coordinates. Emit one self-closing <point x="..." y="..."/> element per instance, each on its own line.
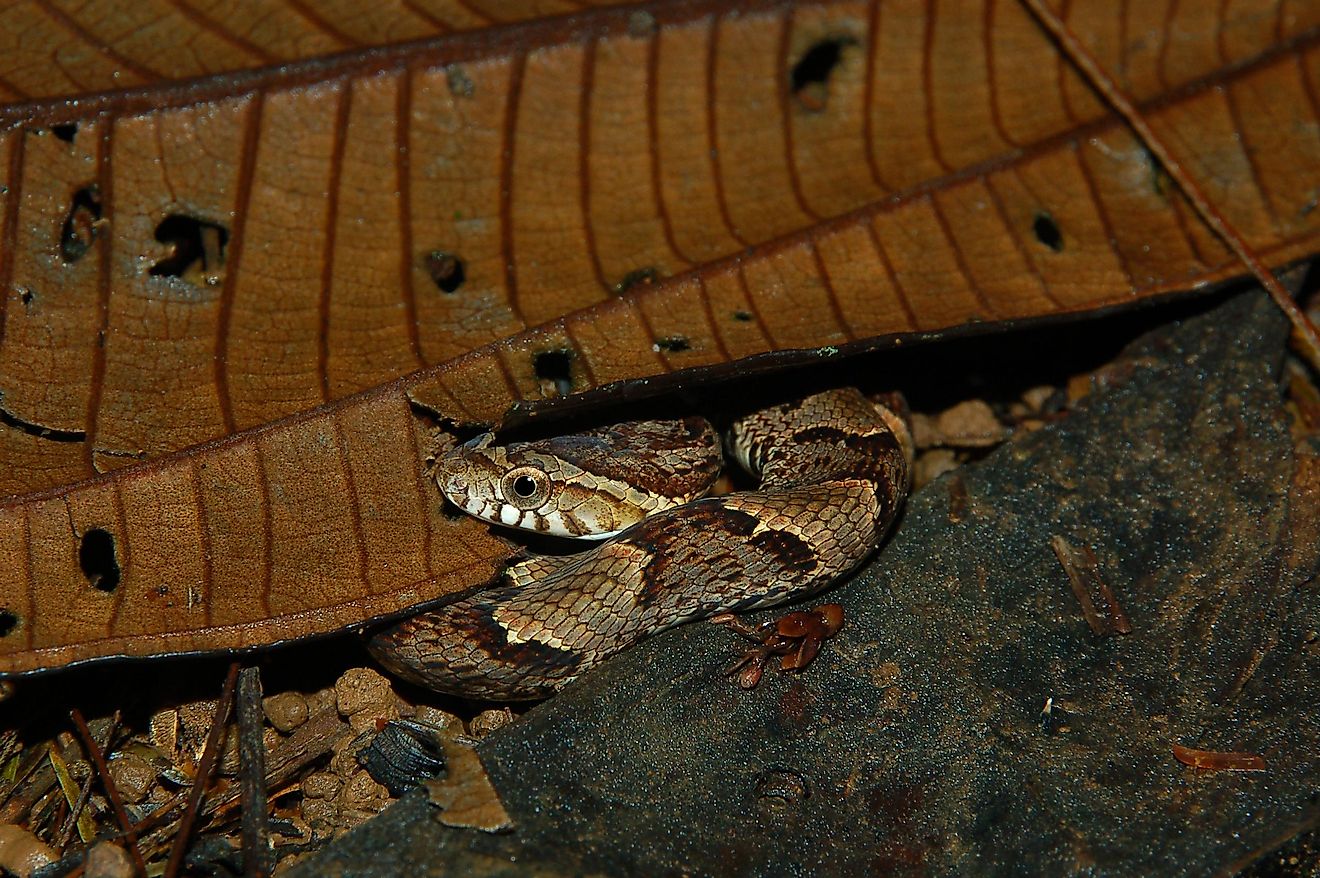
<point x="210" y="753"/>
<point x="252" y="775"/>
<point x="111" y="791"/>
<point x="1304" y="330"/>
<point x="70" y="822"/>
<point x="86" y="792"/>
<point x="83" y="795"/>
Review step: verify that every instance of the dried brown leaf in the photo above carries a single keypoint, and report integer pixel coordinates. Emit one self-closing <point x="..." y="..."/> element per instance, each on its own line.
<point x="222" y="315"/>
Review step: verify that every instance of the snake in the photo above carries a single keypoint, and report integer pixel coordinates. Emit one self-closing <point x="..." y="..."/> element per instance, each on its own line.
<point x="833" y="467"/>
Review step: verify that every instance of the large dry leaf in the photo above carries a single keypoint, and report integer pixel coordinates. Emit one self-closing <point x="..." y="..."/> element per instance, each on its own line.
<point x="504" y="213"/>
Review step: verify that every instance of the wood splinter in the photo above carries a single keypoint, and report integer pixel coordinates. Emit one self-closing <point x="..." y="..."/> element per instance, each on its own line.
<point x="1092" y="592"/>
<point x="1216" y="760"/>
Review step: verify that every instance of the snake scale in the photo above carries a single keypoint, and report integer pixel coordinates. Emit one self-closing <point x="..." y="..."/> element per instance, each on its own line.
<point x="834" y="469"/>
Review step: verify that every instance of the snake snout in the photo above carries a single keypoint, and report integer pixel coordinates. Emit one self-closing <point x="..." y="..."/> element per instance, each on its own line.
<point x="454" y="478"/>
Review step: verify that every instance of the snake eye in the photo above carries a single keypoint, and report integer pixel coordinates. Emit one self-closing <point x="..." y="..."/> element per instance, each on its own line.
<point x="525" y="487"/>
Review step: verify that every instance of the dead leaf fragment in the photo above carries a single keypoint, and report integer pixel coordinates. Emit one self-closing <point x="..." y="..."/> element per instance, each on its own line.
<point x="1217" y="760"/>
<point x="1099" y="605"/>
<point x="277" y="248"/>
<point x="465" y="796"/>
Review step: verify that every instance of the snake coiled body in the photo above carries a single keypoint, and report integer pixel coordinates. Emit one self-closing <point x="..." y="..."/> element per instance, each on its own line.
<point x="834" y="470"/>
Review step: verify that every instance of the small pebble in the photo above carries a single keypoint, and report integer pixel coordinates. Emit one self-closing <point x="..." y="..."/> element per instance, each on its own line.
<point x="1036" y="397"/>
<point x="362" y="793"/>
<point x="321" y="785"/>
<point x="320" y="813"/>
<point x="438" y="719"/>
<point x="286" y="711"/>
<point x="321" y="700"/>
<point x="488" y="721"/>
<point x="195" y="723"/>
<point x="364" y="696"/>
<point x="970" y="424"/>
<point x="106" y="860"/>
<point x="933" y="464"/>
<point x="133" y="776"/>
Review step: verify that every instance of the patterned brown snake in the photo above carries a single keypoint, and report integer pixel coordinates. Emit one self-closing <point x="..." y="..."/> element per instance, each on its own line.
<point x="834" y="470"/>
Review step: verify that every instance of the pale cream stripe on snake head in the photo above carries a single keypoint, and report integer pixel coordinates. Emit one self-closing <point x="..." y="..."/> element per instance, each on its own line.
<point x="589" y="485"/>
<point x="834" y="470"/>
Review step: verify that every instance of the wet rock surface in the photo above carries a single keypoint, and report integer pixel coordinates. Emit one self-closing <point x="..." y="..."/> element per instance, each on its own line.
<point x="967" y="720"/>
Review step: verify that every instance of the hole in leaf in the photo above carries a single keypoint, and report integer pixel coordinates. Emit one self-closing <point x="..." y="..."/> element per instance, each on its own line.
<point x="555" y="370"/>
<point x="460" y="85"/>
<point x="637" y="276"/>
<point x="25" y="295"/>
<point x="8" y="622"/>
<point x="80" y="227"/>
<point x="96" y="557"/>
<point x="809" y="79"/>
<point x="1160" y="182"/>
<point x="65" y="131"/>
<point x="197" y="249"/>
<point x="446" y="270"/>
<point x="742" y="316"/>
<point x="1047" y="232"/>
<point x="673" y="344"/>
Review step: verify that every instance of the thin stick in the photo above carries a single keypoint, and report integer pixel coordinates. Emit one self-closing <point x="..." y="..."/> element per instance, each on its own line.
<point x="1110" y="91"/>
<point x="252" y="776"/>
<point x="111" y="791"/>
<point x="210" y="753"/>
<point x="70" y="822"/>
<point x="84" y="794"/>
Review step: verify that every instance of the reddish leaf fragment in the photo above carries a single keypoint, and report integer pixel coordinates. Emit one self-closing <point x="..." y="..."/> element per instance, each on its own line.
<point x="795" y="637"/>
<point x="806" y="653"/>
<point x="957" y="499"/>
<point x="832" y="616"/>
<point x="1217" y="760"/>
<point x="800" y="624"/>
<point x="751" y="675"/>
<point x="1099" y="604"/>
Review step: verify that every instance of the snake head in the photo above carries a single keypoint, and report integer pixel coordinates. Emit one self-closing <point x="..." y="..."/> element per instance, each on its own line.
<point x="485" y="480"/>
<point x="589" y="485"/>
<point x="521" y="486"/>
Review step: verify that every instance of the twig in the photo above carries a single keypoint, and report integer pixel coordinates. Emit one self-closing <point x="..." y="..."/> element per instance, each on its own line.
<point x="210" y="753"/>
<point x="66" y="832"/>
<point x="86" y="793"/>
<point x="252" y="775"/>
<point x="1303" y="328"/>
<point x="111" y="791"/>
